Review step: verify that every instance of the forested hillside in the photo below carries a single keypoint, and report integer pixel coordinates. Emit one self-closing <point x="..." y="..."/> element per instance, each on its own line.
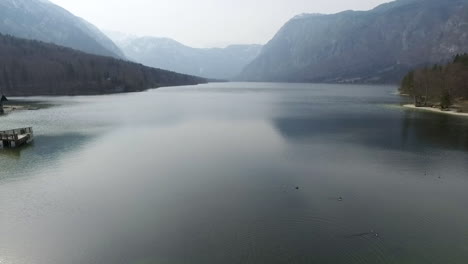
<point x="31" y="67"/>
<point x="439" y="85"/>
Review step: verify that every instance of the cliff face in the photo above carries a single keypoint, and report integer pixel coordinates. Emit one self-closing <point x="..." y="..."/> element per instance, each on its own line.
<point x="29" y="67"/>
<point x="45" y="21"/>
<point x="380" y="45"/>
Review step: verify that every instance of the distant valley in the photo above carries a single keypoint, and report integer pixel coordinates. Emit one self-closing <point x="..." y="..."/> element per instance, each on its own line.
<point x="70" y="56"/>
<point x="216" y="63"/>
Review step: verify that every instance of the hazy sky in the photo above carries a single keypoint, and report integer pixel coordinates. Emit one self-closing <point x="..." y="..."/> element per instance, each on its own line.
<point x="204" y="23"/>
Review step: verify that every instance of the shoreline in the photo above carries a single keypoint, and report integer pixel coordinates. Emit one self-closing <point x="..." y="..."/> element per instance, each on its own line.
<point x="11" y="108"/>
<point x="26" y="105"/>
<point x="435" y="110"/>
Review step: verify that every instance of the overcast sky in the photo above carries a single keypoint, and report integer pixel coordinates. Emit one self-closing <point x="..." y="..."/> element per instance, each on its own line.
<point x="204" y="23"/>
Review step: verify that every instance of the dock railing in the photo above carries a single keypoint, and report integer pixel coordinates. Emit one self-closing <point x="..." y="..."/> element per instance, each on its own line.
<point x="13" y="134"/>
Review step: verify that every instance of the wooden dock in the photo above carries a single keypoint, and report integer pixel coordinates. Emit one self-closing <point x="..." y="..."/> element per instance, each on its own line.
<point x="16" y="137"/>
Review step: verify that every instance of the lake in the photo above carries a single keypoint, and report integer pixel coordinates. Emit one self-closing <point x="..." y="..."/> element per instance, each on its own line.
<point x="236" y="173"/>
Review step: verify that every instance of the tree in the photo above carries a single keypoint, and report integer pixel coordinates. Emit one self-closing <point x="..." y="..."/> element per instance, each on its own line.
<point x="443" y="85"/>
<point x="445" y="100"/>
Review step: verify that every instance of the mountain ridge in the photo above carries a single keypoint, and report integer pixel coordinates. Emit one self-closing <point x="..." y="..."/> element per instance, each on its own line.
<point x="379" y="45"/>
<point x="45" y="21"/>
<point x="165" y="53"/>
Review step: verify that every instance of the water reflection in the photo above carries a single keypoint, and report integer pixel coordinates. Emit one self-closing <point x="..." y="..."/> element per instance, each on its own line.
<point x="188" y="175"/>
<point x="44" y="152"/>
<point x="399" y="130"/>
<point x="435" y="130"/>
<point x="14" y="153"/>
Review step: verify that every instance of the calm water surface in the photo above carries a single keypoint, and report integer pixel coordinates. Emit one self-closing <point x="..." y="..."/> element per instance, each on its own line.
<point x="208" y="174"/>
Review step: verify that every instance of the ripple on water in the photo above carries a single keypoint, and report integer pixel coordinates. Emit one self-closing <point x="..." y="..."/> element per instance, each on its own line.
<point x="306" y="239"/>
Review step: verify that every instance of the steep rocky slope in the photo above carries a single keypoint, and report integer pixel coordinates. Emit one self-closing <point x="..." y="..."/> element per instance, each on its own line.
<point x="379" y="45"/>
<point x="45" y="21"/>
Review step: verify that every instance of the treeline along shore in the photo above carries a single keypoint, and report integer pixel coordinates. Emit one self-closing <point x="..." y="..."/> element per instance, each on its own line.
<point x="29" y="67"/>
<point x="439" y="86"/>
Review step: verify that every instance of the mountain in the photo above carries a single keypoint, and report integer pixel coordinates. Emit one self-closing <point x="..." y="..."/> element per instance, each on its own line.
<point x="379" y="45"/>
<point x="30" y="67"/>
<point x="45" y="21"/>
<point x="216" y="63"/>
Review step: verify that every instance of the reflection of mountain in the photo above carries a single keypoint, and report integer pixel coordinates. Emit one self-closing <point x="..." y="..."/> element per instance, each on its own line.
<point x="417" y="131"/>
<point x="435" y="130"/>
<point x="372" y="130"/>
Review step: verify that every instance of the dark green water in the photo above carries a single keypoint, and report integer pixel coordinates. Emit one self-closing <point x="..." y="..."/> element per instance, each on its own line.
<point x="208" y="174"/>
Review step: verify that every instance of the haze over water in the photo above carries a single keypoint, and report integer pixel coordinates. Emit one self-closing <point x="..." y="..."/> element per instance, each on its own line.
<point x="208" y="174"/>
